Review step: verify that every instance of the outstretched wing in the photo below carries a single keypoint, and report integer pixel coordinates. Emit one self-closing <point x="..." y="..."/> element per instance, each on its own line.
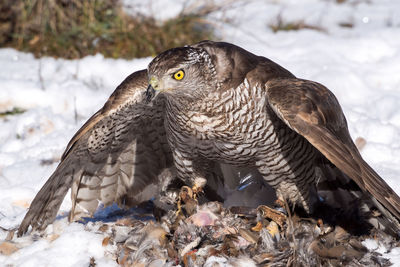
<point x="313" y="111"/>
<point x="115" y="157"/>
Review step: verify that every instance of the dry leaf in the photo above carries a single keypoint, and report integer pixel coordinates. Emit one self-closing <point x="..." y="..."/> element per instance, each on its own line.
<point x="360" y="143"/>
<point x="52" y="237"/>
<point x="10" y="235"/>
<point x="8" y="248"/>
<point x="106" y="240"/>
<point x="34" y="40"/>
<point x="24" y="203"/>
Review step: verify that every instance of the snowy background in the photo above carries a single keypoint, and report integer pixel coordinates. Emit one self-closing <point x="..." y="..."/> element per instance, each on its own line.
<point x="360" y="64"/>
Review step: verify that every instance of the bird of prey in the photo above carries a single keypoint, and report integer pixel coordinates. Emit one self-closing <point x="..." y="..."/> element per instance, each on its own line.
<point x="195" y="109"/>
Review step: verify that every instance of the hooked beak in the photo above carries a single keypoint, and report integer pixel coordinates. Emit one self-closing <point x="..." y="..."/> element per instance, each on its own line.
<point x="151" y="89"/>
<point x="150" y="93"/>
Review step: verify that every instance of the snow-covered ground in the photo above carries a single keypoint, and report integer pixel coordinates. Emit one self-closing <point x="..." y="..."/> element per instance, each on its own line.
<point x="360" y="64"/>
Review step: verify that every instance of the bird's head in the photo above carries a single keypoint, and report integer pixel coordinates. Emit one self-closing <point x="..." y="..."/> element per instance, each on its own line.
<point x="183" y="72"/>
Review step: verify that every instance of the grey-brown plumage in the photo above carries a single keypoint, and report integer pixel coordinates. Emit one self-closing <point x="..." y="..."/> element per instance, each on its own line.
<point x="237" y="108"/>
<point x="212" y="103"/>
<point x="116" y="156"/>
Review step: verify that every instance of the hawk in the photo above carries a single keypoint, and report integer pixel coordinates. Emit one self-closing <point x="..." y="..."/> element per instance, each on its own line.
<point x="197" y="108"/>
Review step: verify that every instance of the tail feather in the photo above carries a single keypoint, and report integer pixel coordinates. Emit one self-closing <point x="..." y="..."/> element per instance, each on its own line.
<point x="341" y="192"/>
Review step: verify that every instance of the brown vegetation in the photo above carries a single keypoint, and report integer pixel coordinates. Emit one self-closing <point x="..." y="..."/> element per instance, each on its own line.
<point x="74" y="29"/>
<point x="281" y="25"/>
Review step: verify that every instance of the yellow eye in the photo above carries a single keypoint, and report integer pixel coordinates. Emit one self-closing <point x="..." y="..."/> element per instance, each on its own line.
<point x="179" y="75"/>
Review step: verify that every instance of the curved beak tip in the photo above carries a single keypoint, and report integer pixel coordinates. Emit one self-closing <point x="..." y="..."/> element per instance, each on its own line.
<point x="150" y="93"/>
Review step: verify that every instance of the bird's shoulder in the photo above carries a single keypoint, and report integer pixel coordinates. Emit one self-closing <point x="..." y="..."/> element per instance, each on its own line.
<point x="128" y="92"/>
<point x="234" y="65"/>
<point x="267" y="70"/>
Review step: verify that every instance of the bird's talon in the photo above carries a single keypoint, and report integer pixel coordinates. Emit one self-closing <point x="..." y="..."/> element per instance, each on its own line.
<point x="273" y="229"/>
<point x="258" y="227"/>
<point x="197" y="187"/>
<point x="196" y="191"/>
<point x="186" y="204"/>
<point x="179" y="207"/>
<point x="185" y="194"/>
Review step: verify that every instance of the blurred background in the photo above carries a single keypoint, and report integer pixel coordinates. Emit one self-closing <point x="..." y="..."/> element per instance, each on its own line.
<point x="131" y="28"/>
<point x="115" y="28"/>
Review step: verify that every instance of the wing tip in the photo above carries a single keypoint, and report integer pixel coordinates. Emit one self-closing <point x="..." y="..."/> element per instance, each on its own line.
<point x="26" y="222"/>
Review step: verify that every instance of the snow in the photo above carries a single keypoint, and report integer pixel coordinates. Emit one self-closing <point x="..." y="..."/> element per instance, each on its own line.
<point x="360" y="65"/>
